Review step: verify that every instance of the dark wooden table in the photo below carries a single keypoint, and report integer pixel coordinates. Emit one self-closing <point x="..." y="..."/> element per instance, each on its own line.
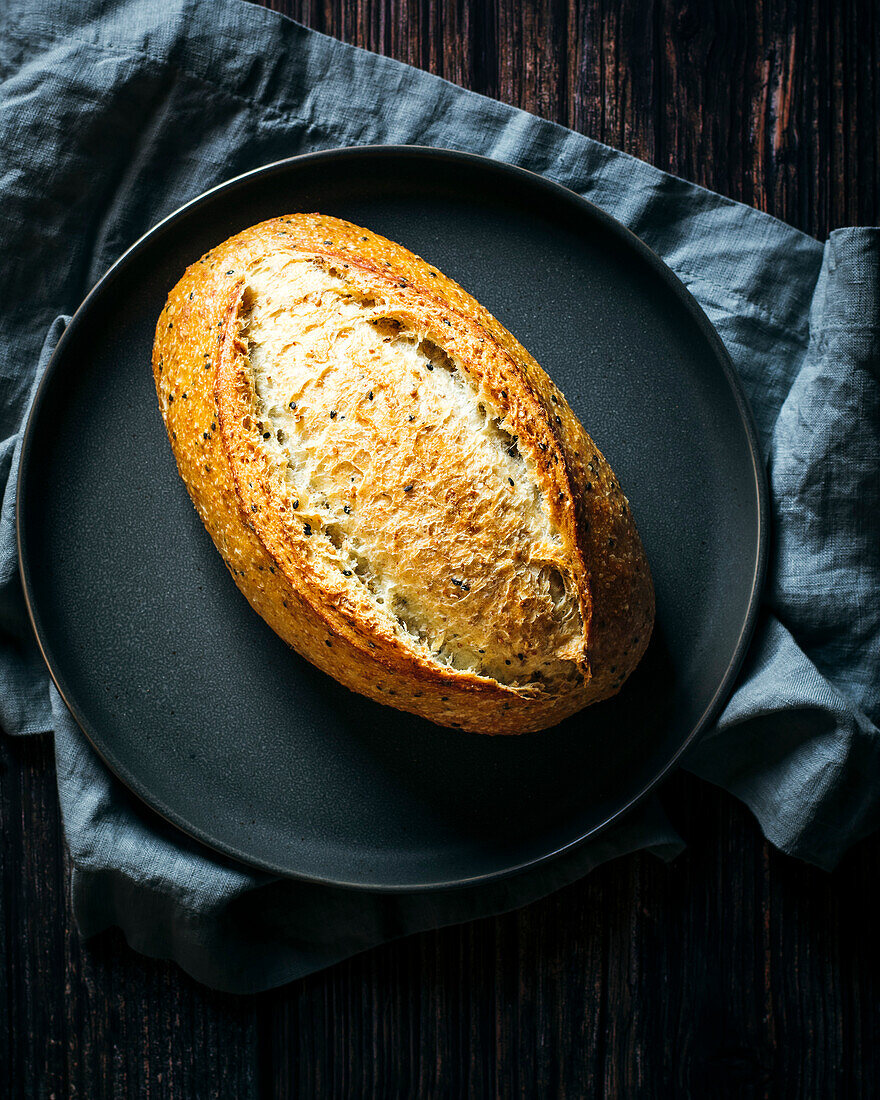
<point x="735" y="971"/>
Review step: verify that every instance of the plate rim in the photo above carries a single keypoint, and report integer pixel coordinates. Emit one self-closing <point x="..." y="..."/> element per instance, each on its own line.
<point x="672" y="282"/>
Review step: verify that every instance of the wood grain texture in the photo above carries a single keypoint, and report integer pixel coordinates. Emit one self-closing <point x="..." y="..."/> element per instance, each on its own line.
<point x="734" y="972"/>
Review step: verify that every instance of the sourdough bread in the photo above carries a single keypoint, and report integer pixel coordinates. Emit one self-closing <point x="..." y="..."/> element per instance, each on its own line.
<point x="394" y="483"/>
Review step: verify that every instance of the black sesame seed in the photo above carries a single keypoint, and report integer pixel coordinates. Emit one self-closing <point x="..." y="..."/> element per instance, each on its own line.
<point x="190" y="295"/>
<point x="554" y="399"/>
<point x="307" y="529"/>
<point x="333" y="414"/>
<point x="465" y="587"/>
<point x="295" y="505"/>
<point x="292" y="405"/>
<point x="510" y="479"/>
<point x="328" y="242"/>
<point x="430" y="366"/>
<point x="558" y="421"/>
<point x="347" y="509"/>
<point x="231" y="271"/>
<point x="444" y="698"/>
<point x="363" y="238"/>
<point x="542" y="446"/>
<point x="204" y="435"/>
<point x="411" y="418"/>
<point x="171" y="324"/>
<point x="370" y="395"/>
<point x="408" y="488"/>
<point x="507" y="662"/>
<point x="253" y="508"/>
<point x="214" y="427"/>
<point x="266" y="435"/>
<point x="346" y="572"/>
<point x="457" y="583"/>
<point x="328" y="643"/>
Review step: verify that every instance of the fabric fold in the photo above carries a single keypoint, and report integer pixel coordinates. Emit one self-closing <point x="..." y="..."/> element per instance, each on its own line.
<point x="24" y="697"/>
<point x="799" y="740"/>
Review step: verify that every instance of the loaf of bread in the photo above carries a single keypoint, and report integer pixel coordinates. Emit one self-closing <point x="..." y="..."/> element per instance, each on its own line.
<point x="394" y="483"/>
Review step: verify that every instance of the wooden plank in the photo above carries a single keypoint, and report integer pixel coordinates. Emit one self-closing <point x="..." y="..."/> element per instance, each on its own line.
<point x="95" y="1020"/>
<point x="33" y="916"/>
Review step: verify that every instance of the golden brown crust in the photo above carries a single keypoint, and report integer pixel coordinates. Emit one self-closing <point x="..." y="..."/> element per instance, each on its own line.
<point x="207" y="400"/>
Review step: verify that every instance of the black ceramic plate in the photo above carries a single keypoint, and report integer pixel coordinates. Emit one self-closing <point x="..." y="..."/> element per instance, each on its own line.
<point x="211" y="719"/>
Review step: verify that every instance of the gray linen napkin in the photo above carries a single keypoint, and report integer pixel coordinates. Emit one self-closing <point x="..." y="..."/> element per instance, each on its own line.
<point x="112" y="115"/>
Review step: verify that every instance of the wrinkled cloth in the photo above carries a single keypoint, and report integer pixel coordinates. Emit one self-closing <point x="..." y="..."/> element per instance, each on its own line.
<point x="112" y="114"/>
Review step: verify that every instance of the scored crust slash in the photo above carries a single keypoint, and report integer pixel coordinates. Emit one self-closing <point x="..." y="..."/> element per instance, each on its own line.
<point x="395" y="485"/>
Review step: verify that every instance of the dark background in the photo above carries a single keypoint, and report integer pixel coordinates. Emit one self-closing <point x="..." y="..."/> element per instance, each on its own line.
<point x="735" y="971"/>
